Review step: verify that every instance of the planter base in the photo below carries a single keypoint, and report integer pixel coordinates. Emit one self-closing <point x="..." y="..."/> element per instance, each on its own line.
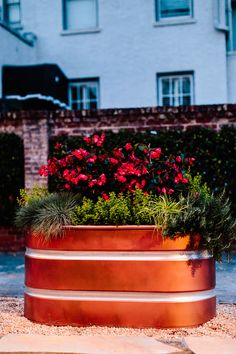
<point x="119" y="313"/>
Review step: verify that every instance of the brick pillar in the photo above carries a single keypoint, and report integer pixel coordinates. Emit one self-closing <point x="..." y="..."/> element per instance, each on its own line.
<point x="35" y="136"/>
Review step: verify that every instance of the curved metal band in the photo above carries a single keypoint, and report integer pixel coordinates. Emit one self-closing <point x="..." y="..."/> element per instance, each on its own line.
<point x="118" y="256"/>
<point x="119" y="296"/>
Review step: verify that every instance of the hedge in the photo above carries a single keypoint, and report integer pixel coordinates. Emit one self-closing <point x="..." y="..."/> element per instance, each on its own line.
<point x="11" y="175"/>
<point x="215" y="152"/>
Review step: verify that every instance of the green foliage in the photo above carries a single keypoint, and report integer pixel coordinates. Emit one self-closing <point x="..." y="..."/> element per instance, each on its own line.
<point x="196" y="186"/>
<point x="130" y="209"/>
<point x="84" y="214"/>
<point x="26" y="196"/>
<point x="114" y="211"/>
<point x="46" y="216"/>
<point x="140" y="204"/>
<point x="209" y="216"/>
<point x="11" y="175"/>
<point x="161" y="209"/>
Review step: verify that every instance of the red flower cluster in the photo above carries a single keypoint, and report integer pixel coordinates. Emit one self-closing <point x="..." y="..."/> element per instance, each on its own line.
<point x="93" y="171"/>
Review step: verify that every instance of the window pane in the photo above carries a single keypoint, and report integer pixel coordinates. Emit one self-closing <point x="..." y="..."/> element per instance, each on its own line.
<point x="176" y="101"/>
<point x="186" y="100"/>
<point x="186" y="85"/>
<point x="81" y="92"/>
<point x="13" y="15"/>
<point x="175" y="86"/>
<point x="74" y="93"/>
<point x="81" y="14"/>
<point x="93" y="105"/>
<point x="74" y="105"/>
<point x="165" y="86"/>
<point x="173" y="8"/>
<point x="166" y="101"/>
<point x="234" y="25"/>
<point x="92" y="93"/>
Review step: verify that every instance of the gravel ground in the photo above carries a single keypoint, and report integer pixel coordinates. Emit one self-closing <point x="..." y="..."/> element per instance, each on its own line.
<point x="13" y="321"/>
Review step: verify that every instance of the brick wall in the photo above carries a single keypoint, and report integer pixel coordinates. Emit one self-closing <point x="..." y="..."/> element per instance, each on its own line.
<point x="141" y="119"/>
<point x="11" y="240"/>
<point x="36" y="127"/>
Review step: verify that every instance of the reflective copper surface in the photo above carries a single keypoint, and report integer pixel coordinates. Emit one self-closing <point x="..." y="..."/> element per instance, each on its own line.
<point x="122" y="275"/>
<point x="160" y="276"/>
<point x="112" y="238"/>
<point x="120" y="314"/>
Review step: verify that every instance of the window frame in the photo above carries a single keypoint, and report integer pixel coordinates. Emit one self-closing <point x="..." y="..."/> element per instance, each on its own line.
<point x="5" y="14"/>
<point x="80" y="82"/>
<point x="159" y="19"/>
<point x="84" y="29"/>
<point x="174" y="75"/>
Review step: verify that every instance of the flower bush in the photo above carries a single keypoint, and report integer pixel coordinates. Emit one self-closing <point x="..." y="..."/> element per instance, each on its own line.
<point x="93" y="171"/>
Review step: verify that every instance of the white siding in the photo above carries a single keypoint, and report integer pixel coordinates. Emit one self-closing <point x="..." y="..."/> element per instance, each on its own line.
<point x="13" y="52"/>
<point x="129" y="50"/>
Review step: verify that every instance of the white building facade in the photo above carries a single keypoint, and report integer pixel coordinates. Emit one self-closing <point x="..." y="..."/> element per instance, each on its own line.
<point x="127" y="53"/>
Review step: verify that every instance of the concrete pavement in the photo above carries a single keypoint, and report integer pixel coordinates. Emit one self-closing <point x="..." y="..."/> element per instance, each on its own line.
<point x="41" y="344"/>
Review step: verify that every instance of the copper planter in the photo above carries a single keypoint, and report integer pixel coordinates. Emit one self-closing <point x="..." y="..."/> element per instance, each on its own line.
<point x="118" y="276"/>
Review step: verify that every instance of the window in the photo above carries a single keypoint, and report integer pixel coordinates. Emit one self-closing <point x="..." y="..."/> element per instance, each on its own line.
<point x="233" y="29"/>
<point x="175" y="90"/>
<point x="84" y="94"/>
<point x="223" y="14"/>
<point x="168" y="9"/>
<point x="11" y="13"/>
<point x="80" y="14"/>
<point x="225" y="20"/>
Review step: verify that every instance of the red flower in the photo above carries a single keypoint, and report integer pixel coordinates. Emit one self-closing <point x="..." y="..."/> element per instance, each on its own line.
<point x="121" y="179"/>
<point x="75" y="180"/>
<point x="128" y="146"/>
<point x="52" y="167"/>
<point x="155" y="154"/>
<point x="43" y="171"/>
<point x="95" y="138"/>
<point x="170" y="191"/>
<point x="92" y="183"/>
<point x="178" y="159"/>
<point x="62" y="162"/>
<point x="82" y="177"/>
<point x="101" y="140"/>
<point x="101" y="180"/>
<point x="58" y="146"/>
<point x="185" y="180"/>
<point x="114" y="161"/>
<point x="191" y="160"/>
<point x="117" y="152"/>
<point x="87" y="139"/>
<point x="144" y="170"/>
<point x="92" y="159"/>
<point x="69" y="159"/>
<point x="105" y="196"/>
<point x="80" y="153"/>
